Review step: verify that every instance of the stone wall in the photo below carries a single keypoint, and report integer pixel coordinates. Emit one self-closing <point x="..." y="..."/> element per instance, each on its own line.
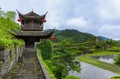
<point x="44" y="70"/>
<point x="8" y="58"/>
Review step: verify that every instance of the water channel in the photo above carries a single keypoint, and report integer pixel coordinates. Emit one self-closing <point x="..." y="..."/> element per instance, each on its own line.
<point x="108" y="59"/>
<point x="92" y="72"/>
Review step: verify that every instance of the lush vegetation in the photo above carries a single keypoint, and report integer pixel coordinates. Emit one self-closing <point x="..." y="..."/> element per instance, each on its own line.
<point x="116" y="77"/>
<point x="64" y="61"/>
<point x="45" y="65"/>
<point x="59" y="56"/>
<point x="80" y="37"/>
<point x="61" y="61"/>
<point x="71" y="43"/>
<point x="7" y="29"/>
<point x="46" y="49"/>
<point x="93" y="46"/>
<point x="90" y="45"/>
<point x="117" y="60"/>
<point x="111" y="48"/>
<point x="65" y="50"/>
<point x="77" y="36"/>
<point x="71" y="77"/>
<point x="103" y="53"/>
<point x="101" y="64"/>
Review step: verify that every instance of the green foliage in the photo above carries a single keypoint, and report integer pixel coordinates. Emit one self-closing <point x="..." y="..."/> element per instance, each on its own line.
<point x="68" y="41"/>
<point x="114" y="48"/>
<point x="1" y="13"/>
<point x="45" y="65"/>
<point x="71" y="77"/>
<point x="7" y="15"/>
<point x="7" y="28"/>
<point x="107" y="66"/>
<point x="75" y="51"/>
<point x="46" y="49"/>
<point x="116" y="77"/>
<point x="103" y="53"/>
<point x="83" y="47"/>
<point x="10" y="15"/>
<point x="98" y="46"/>
<point x="117" y="60"/>
<point x="50" y="65"/>
<point x="77" y="36"/>
<point x="112" y="42"/>
<point x="70" y="38"/>
<point x="64" y="61"/>
<point x="17" y="42"/>
<point x="5" y="42"/>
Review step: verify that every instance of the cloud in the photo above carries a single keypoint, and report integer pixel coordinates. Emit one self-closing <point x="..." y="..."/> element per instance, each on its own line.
<point x="109" y="9"/>
<point x="81" y="21"/>
<point x="99" y="17"/>
<point x="110" y="31"/>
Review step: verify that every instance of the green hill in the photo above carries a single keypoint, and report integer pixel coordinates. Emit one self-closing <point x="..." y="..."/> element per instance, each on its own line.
<point x="77" y="36"/>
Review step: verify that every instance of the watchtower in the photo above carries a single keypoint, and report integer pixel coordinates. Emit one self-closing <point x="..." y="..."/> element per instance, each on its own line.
<point x="32" y="28"/>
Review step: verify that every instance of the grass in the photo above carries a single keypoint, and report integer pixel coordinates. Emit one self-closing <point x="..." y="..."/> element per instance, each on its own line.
<point x="116" y="77"/>
<point x="71" y="77"/>
<point x="107" y="66"/>
<point x="104" y="65"/>
<point x="103" y="53"/>
<point x="114" y="48"/>
<point x="101" y="64"/>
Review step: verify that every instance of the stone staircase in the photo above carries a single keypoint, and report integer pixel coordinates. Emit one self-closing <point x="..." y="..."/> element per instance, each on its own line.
<point x="28" y="69"/>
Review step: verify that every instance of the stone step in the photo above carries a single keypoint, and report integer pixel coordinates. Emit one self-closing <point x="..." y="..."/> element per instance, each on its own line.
<point x="29" y="69"/>
<point x="22" y="77"/>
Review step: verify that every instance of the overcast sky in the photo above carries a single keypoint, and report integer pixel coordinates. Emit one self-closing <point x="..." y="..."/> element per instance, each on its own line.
<point x="98" y="17"/>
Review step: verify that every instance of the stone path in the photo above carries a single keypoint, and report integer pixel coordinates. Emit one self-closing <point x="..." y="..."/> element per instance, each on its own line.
<point x="29" y="69"/>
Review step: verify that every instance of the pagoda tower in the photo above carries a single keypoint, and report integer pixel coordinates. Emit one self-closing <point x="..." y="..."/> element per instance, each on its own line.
<point x="32" y="26"/>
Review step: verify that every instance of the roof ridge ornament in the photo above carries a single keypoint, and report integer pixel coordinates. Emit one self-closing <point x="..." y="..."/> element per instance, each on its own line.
<point x="46" y="13"/>
<point x="20" y="15"/>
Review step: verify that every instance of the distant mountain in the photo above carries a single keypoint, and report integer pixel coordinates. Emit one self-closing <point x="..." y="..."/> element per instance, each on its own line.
<point x="71" y="33"/>
<point x="118" y="40"/>
<point x="102" y="38"/>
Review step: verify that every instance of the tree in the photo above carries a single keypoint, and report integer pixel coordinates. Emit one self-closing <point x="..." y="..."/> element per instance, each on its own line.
<point x="64" y="61"/>
<point x="10" y="15"/>
<point x="46" y="49"/>
<point x="68" y="41"/>
<point x="117" y="60"/>
<point x="1" y="13"/>
<point x="7" y="28"/>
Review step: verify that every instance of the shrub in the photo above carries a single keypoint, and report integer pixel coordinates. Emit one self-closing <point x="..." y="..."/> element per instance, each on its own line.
<point x="117" y="60"/>
<point x="83" y="48"/>
<point x="71" y="77"/>
<point x="64" y="61"/>
<point x="46" y="49"/>
<point x="116" y="77"/>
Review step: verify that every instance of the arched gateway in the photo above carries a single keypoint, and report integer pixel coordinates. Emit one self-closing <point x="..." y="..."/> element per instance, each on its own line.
<point x="32" y="28"/>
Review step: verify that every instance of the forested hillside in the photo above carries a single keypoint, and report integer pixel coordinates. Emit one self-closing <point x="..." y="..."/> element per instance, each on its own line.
<point x="77" y="36"/>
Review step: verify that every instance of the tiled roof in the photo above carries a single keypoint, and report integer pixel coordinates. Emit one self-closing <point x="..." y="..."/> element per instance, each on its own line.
<point x="33" y="33"/>
<point x="32" y="15"/>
